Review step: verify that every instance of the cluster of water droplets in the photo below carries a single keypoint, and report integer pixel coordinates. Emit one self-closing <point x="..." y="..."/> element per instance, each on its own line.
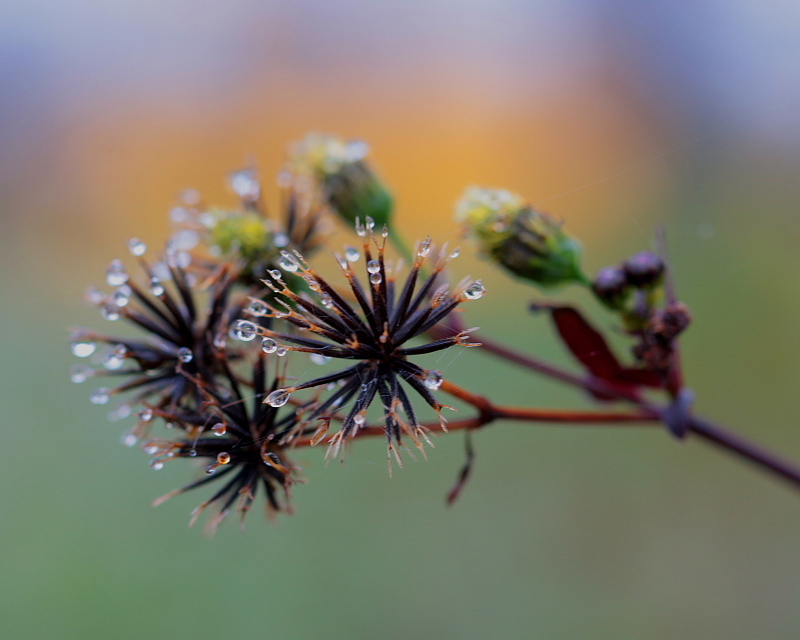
<point x="374" y="269"/>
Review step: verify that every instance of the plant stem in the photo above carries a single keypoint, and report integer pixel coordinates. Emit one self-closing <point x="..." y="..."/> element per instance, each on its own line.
<point x="742" y="447"/>
<point x="704" y="429"/>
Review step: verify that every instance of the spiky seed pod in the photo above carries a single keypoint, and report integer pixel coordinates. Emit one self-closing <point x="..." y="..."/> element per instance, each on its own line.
<point x="238" y="438"/>
<point x="373" y="332"/>
<point x="187" y="335"/>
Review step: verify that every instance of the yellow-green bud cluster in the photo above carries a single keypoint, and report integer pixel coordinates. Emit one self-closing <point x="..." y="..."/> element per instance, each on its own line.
<point x="243" y="233"/>
<point x="527" y="242"/>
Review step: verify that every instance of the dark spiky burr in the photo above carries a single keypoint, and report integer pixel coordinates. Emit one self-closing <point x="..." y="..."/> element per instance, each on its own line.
<point x="374" y="333"/>
<point x="238" y="438"/>
<point x="187" y="330"/>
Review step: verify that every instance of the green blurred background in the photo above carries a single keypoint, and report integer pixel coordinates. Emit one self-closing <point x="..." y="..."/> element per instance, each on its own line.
<point x="616" y="116"/>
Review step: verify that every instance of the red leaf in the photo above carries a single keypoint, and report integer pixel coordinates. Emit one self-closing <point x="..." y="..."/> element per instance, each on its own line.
<point x="586" y="343"/>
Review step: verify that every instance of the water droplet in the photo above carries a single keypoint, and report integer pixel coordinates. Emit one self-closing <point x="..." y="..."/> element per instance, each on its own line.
<point x="288" y="262"/>
<point x="433" y="379"/>
<point x="208" y="220"/>
<point x="136" y="247"/>
<point x="359" y="419"/>
<point x="279" y="397"/>
<point x="156" y="288"/>
<point x="112" y="362"/>
<point x="94" y="295"/>
<point x="385" y="231"/>
<point x="223" y="457"/>
<point x="327" y="301"/>
<point x="356" y="150"/>
<point x="245" y="184"/>
<point x="424" y="248"/>
<point x="280" y="351"/>
<point x="128" y="439"/>
<point x="211" y="469"/>
<point x="257" y="307"/>
<point x="375" y="278"/>
<point x="245" y="330"/>
<point x="276" y="274"/>
<point x="156" y="464"/>
<point x="280" y="240"/>
<point x="122" y="296"/>
<point x="116" y="274"/>
<point x="185" y="240"/>
<point x="455" y="254"/>
<point x="161" y="271"/>
<point x="192" y="453"/>
<point x="268" y="345"/>
<point x="82" y="348"/>
<point x="150" y="448"/>
<point x="373" y="266"/>
<point x="360" y="229"/>
<point x="110" y="312"/>
<point x="220" y="342"/>
<point x="219" y="429"/>
<point x="352" y="254"/>
<point x="318" y="358"/>
<point x="185" y="354"/>
<point x="475" y="290"/>
<point x="99" y="396"/>
<point x="370" y="224"/>
<point x="178" y="215"/>
<point x="80" y="373"/>
<point x="191" y="197"/>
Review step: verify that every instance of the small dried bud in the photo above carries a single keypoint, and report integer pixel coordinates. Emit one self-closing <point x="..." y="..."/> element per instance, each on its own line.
<point x="644" y="269"/>
<point x="611" y="287"/>
<point x="670" y="322"/>
<point x="345" y="179"/>
<point x="526" y="242"/>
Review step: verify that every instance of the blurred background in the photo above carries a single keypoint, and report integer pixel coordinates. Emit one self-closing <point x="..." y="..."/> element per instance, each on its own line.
<point x="615" y="116"/>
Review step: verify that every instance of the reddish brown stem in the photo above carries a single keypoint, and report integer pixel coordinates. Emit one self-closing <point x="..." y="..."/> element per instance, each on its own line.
<point x="716" y="434"/>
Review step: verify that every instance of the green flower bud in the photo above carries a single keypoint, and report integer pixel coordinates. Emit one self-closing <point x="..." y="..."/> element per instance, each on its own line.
<point x="526" y="242"/>
<point x="345" y="180"/>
